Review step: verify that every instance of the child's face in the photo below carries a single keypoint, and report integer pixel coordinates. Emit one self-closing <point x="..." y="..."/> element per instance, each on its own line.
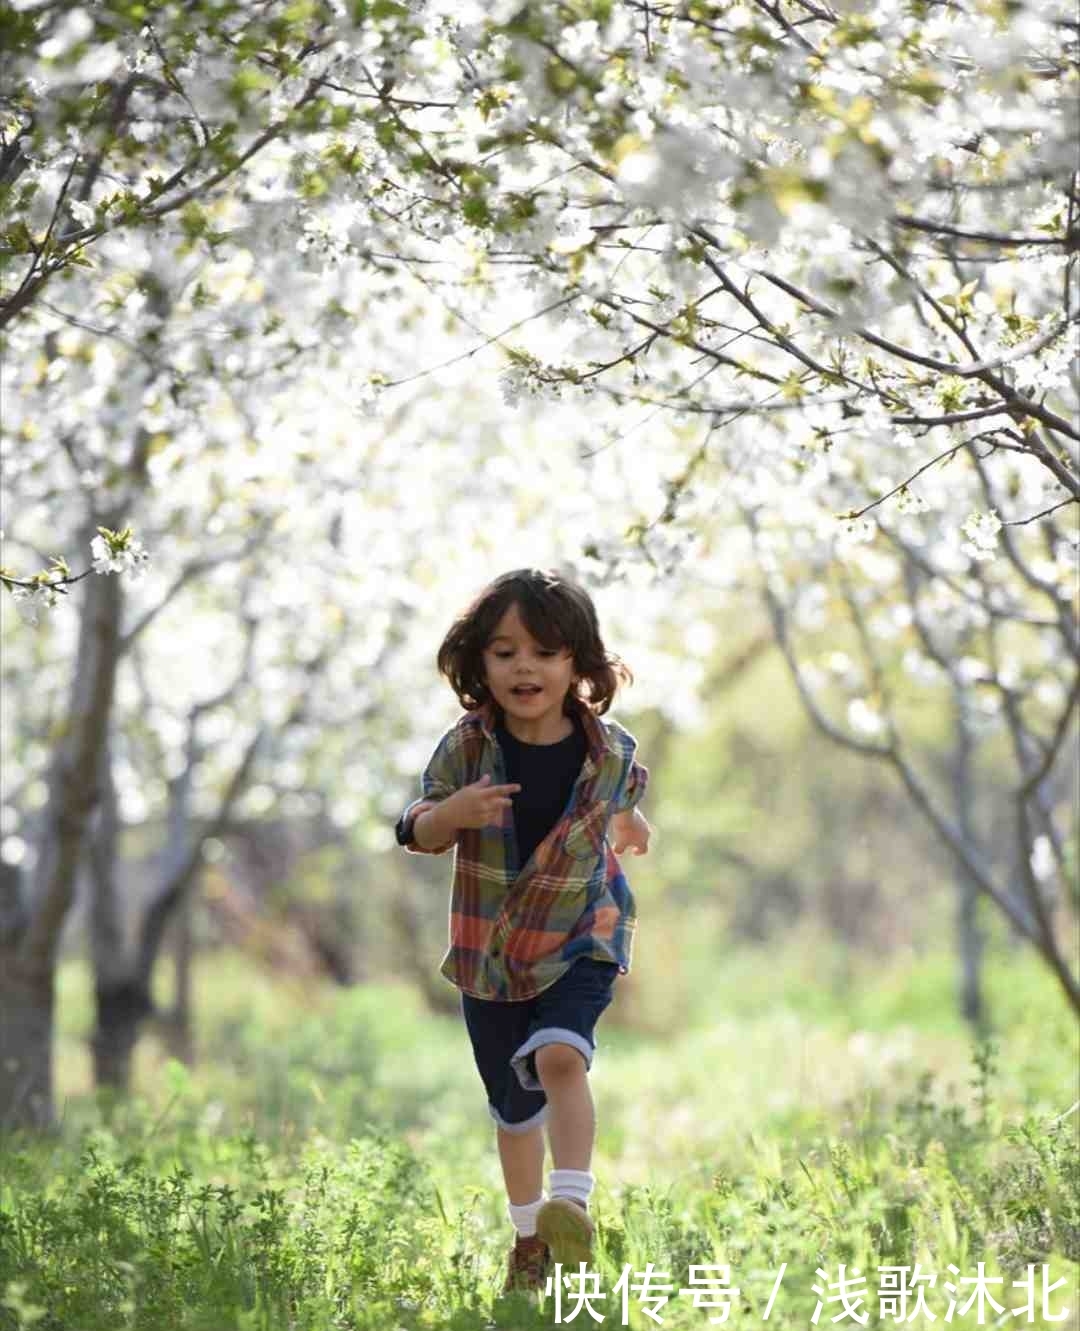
<point x="513" y="659"/>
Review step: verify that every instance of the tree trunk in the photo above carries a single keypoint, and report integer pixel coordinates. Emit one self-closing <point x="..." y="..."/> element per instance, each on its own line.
<point x="26" y="1041"/>
<point x="30" y="939"/>
<point x="970" y="939"/>
<point x="121" y="1000"/>
<point x="121" y="1008"/>
<point x="176" y="1028"/>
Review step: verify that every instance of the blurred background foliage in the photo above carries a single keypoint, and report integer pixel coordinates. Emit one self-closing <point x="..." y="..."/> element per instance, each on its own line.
<point x="783" y="873"/>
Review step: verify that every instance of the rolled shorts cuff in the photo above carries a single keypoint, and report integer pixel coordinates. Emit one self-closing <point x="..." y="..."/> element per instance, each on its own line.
<point x="547" y="1035"/>
<point x="534" y="1122"/>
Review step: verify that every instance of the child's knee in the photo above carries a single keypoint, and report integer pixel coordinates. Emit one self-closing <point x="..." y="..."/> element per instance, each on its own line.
<point x="559" y="1062"/>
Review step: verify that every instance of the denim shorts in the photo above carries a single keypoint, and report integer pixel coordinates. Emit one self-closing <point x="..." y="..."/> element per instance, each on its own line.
<point x="506" y="1036"/>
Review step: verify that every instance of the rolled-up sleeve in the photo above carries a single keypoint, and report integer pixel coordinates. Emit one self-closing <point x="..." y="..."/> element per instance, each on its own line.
<point x="632" y="787"/>
<point x="443" y="775"/>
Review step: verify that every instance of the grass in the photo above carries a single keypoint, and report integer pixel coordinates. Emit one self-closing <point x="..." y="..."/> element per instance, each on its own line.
<point x="330" y="1163"/>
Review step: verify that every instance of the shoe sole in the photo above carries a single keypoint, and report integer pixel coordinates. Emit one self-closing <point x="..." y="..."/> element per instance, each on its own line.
<point x="568" y="1232"/>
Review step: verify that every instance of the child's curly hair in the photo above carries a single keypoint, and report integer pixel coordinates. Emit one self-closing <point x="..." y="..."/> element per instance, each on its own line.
<point x="557" y="612"/>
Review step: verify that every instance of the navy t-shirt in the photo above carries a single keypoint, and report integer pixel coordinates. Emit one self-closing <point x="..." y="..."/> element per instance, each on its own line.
<point x="546" y="774"/>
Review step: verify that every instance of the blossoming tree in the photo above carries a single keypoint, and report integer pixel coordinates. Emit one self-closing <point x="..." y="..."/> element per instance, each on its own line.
<point x="812" y="266"/>
<point x="834" y="249"/>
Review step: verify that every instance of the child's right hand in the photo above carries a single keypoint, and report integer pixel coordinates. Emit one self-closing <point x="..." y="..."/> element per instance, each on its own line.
<point x="481" y="803"/>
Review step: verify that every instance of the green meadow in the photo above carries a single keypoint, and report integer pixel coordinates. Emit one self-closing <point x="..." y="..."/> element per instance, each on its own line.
<point x="329" y="1162"/>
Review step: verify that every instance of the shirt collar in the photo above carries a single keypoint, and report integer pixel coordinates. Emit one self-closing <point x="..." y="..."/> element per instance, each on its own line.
<point x="597" y="744"/>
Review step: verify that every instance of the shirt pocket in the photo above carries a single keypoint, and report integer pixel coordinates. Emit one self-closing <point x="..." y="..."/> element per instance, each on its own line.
<point x="585" y="837"/>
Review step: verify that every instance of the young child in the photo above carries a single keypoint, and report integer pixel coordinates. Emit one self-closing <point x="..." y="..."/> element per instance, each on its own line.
<point x="525" y="788"/>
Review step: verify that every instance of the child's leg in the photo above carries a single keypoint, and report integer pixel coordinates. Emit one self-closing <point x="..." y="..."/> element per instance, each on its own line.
<point x="522" y="1158"/>
<point x="556" y="1058"/>
<point x="496" y="1030"/>
<point x="571" y="1113"/>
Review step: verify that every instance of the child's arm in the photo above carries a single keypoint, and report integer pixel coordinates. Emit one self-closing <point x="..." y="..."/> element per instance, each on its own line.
<point x="447" y="804"/>
<point x="443" y="775"/>
<point x="475" y="805"/>
<point x="416" y="812"/>
<point x="629" y="827"/>
<point x="435" y="828"/>
<point x="630" y="831"/>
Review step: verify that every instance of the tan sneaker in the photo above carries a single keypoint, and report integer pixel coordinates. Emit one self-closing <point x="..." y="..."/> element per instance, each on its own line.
<point x="565" y="1227"/>
<point x="528" y="1265"/>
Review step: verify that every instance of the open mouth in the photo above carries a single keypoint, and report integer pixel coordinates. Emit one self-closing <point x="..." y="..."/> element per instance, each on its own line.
<point x="525" y="690"/>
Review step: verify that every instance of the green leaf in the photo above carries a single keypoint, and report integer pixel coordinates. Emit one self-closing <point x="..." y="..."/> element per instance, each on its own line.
<point x="19" y="239"/>
<point x="475" y="211"/>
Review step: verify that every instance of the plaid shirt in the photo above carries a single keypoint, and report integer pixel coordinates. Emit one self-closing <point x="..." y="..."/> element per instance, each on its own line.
<point x="514" y="929"/>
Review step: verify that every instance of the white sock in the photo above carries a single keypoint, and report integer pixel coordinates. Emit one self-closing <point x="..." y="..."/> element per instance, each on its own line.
<point x="576" y="1184"/>
<point x="524" y="1217"/>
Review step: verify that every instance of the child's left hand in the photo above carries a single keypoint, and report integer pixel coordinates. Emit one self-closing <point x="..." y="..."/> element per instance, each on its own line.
<point x="630" y="831"/>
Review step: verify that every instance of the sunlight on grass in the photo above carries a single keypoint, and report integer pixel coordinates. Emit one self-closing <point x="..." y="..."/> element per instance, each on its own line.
<point x="330" y="1161"/>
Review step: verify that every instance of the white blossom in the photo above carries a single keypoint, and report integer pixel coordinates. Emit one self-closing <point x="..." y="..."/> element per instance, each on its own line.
<point x="367" y="399"/>
<point x="573" y="232"/>
<point x="82" y="212"/>
<point x="855" y="533"/>
<point x="907" y="501"/>
<point x="921" y="668"/>
<point x="981" y="530"/>
<point x="75" y="26"/>
<point x="863" y="718"/>
<point x="517" y="380"/>
<point x="511" y="382"/>
<point x="30" y="601"/>
<point x="1042" y="859"/>
<point x="114" y="557"/>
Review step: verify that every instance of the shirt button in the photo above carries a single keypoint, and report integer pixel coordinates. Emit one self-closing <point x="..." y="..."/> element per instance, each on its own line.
<point x="494" y="949"/>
